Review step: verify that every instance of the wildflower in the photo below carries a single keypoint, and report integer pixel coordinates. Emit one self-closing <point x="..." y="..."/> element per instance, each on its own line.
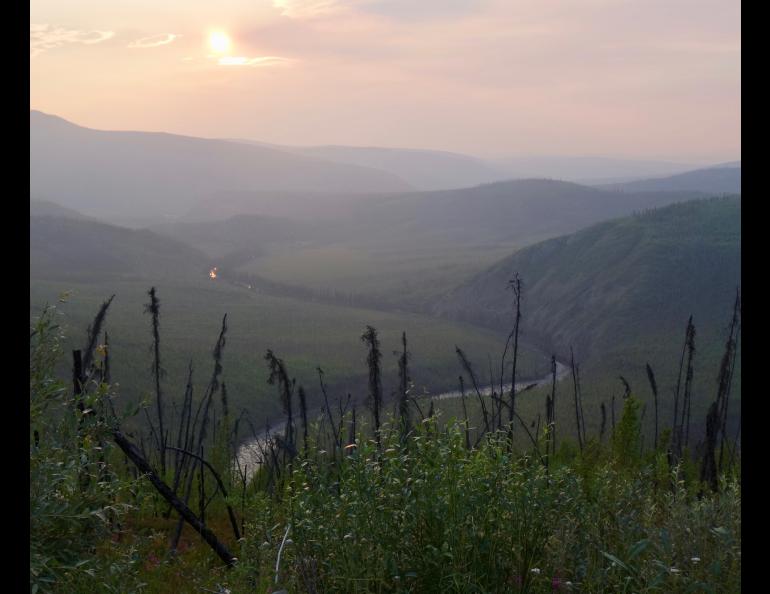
<point x="695" y="559"/>
<point x="674" y="570"/>
<point x="535" y="570"/>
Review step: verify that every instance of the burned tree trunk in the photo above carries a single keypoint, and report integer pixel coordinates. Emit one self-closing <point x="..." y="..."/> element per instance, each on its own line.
<point x="403" y="401"/>
<point x="654" y="388"/>
<point x="133" y="454"/>
<point x="515" y="284"/>
<point x="153" y="308"/>
<point x="369" y="337"/>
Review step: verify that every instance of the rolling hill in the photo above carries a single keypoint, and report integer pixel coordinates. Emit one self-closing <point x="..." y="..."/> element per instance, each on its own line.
<point x="442" y="170"/>
<point x="522" y="210"/>
<point x="116" y="175"/>
<point x="422" y="169"/>
<point x="408" y="249"/>
<point x="602" y="288"/>
<point x="620" y="294"/>
<point x="587" y="169"/>
<point x="720" y="179"/>
<point x="63" y="248"/>
<point x="43" y="208"/>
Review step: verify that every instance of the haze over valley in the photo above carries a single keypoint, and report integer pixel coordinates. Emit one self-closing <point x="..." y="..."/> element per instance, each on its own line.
<point x="338" y="248"/>
<point x="385" y="296"/>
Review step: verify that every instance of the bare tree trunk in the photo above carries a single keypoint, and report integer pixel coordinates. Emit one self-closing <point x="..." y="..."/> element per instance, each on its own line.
<point x="515" y="284"/>
<point x="654" y="388"/>
<point x="465" y="416"/>
<point x="726" y="376"/>
<point x="675" y="438"/>
<point x="303" y="413"/>
<point x="577" y="404"/>
<point x="403" y="401"/>
<point x="153" y="308"/>
<point x="375" y="382"/>
<point x="221" y="485"/>
<point x="133" y="454"/>
<point x="467" y="366"/>
<point x="553" y="404"/>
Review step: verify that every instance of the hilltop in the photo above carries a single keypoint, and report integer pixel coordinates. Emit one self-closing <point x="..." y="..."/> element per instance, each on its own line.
<point x="116" y="174"/>
<point x="720" y="179"/>
<point x="62" y="248"/>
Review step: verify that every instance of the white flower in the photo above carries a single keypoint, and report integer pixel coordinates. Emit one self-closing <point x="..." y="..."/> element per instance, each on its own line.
<point x="695" y="559"/>
<point x="674" y="570"/>
<point x="535" y="570"/>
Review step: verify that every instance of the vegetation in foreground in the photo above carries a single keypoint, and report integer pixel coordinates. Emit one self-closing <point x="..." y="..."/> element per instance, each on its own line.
<point x="307" y="335"/>
<point x="414" y="510"/>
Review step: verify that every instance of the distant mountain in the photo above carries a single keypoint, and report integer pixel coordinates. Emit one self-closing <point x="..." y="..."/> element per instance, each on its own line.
<point x="405" y="250"/>
<point x="720" y="179"/>
<point x="41" y="208"/>
<point x="80" y="250"/>
<point x="586" y="169"/>
<point x="621" y="286"/>
<point x="115" y="175"/>
<point x="441" y="170"/>
<point x="521" y="210"/>
<point x="422" y="169"/>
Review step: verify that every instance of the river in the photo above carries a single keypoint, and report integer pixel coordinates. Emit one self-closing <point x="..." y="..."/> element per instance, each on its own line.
<point x="250" y="456"/>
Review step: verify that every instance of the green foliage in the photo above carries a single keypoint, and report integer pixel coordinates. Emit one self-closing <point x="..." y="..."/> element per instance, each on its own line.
<point x="75" y="499"/>
<point x="626" y="441"/>
<point x="621" y="292"/>
<point x="306" y="335"/>
<point x="430" y="516"/>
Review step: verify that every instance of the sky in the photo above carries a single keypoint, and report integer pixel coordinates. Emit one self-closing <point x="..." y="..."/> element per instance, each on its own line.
<point x="655" y="79"/>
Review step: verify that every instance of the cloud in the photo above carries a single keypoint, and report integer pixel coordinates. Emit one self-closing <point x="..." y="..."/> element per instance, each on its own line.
<point x="393" y="9"/>
<point x="258" y="61"/>
<point x="43" y="37"/>
<point x="301" y="9"/>
<point x="154" y="40"/>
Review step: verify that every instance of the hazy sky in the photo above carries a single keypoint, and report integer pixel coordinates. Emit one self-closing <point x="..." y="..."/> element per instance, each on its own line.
<point x="626" y="78"/>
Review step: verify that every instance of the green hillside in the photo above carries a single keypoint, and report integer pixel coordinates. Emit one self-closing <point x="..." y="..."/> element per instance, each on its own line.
<point x="407" y="250"/>
<point x="620" y="294"/>
<point x="83" y="250"/>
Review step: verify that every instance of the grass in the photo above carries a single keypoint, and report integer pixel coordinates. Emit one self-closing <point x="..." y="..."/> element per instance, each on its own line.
<point x="306" y="335"/>
<point x="420" y="514"/>
<point x="407" y="275"/>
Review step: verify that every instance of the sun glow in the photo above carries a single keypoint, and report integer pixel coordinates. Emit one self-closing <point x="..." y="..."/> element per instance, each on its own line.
<point x="219" y="42"/>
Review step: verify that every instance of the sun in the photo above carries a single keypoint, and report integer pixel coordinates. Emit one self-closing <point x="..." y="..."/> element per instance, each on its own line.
<point x="219" y="42"/>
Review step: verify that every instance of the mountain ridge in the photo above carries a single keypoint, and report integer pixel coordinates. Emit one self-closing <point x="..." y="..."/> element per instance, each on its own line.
<point x="110" y="174"/>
